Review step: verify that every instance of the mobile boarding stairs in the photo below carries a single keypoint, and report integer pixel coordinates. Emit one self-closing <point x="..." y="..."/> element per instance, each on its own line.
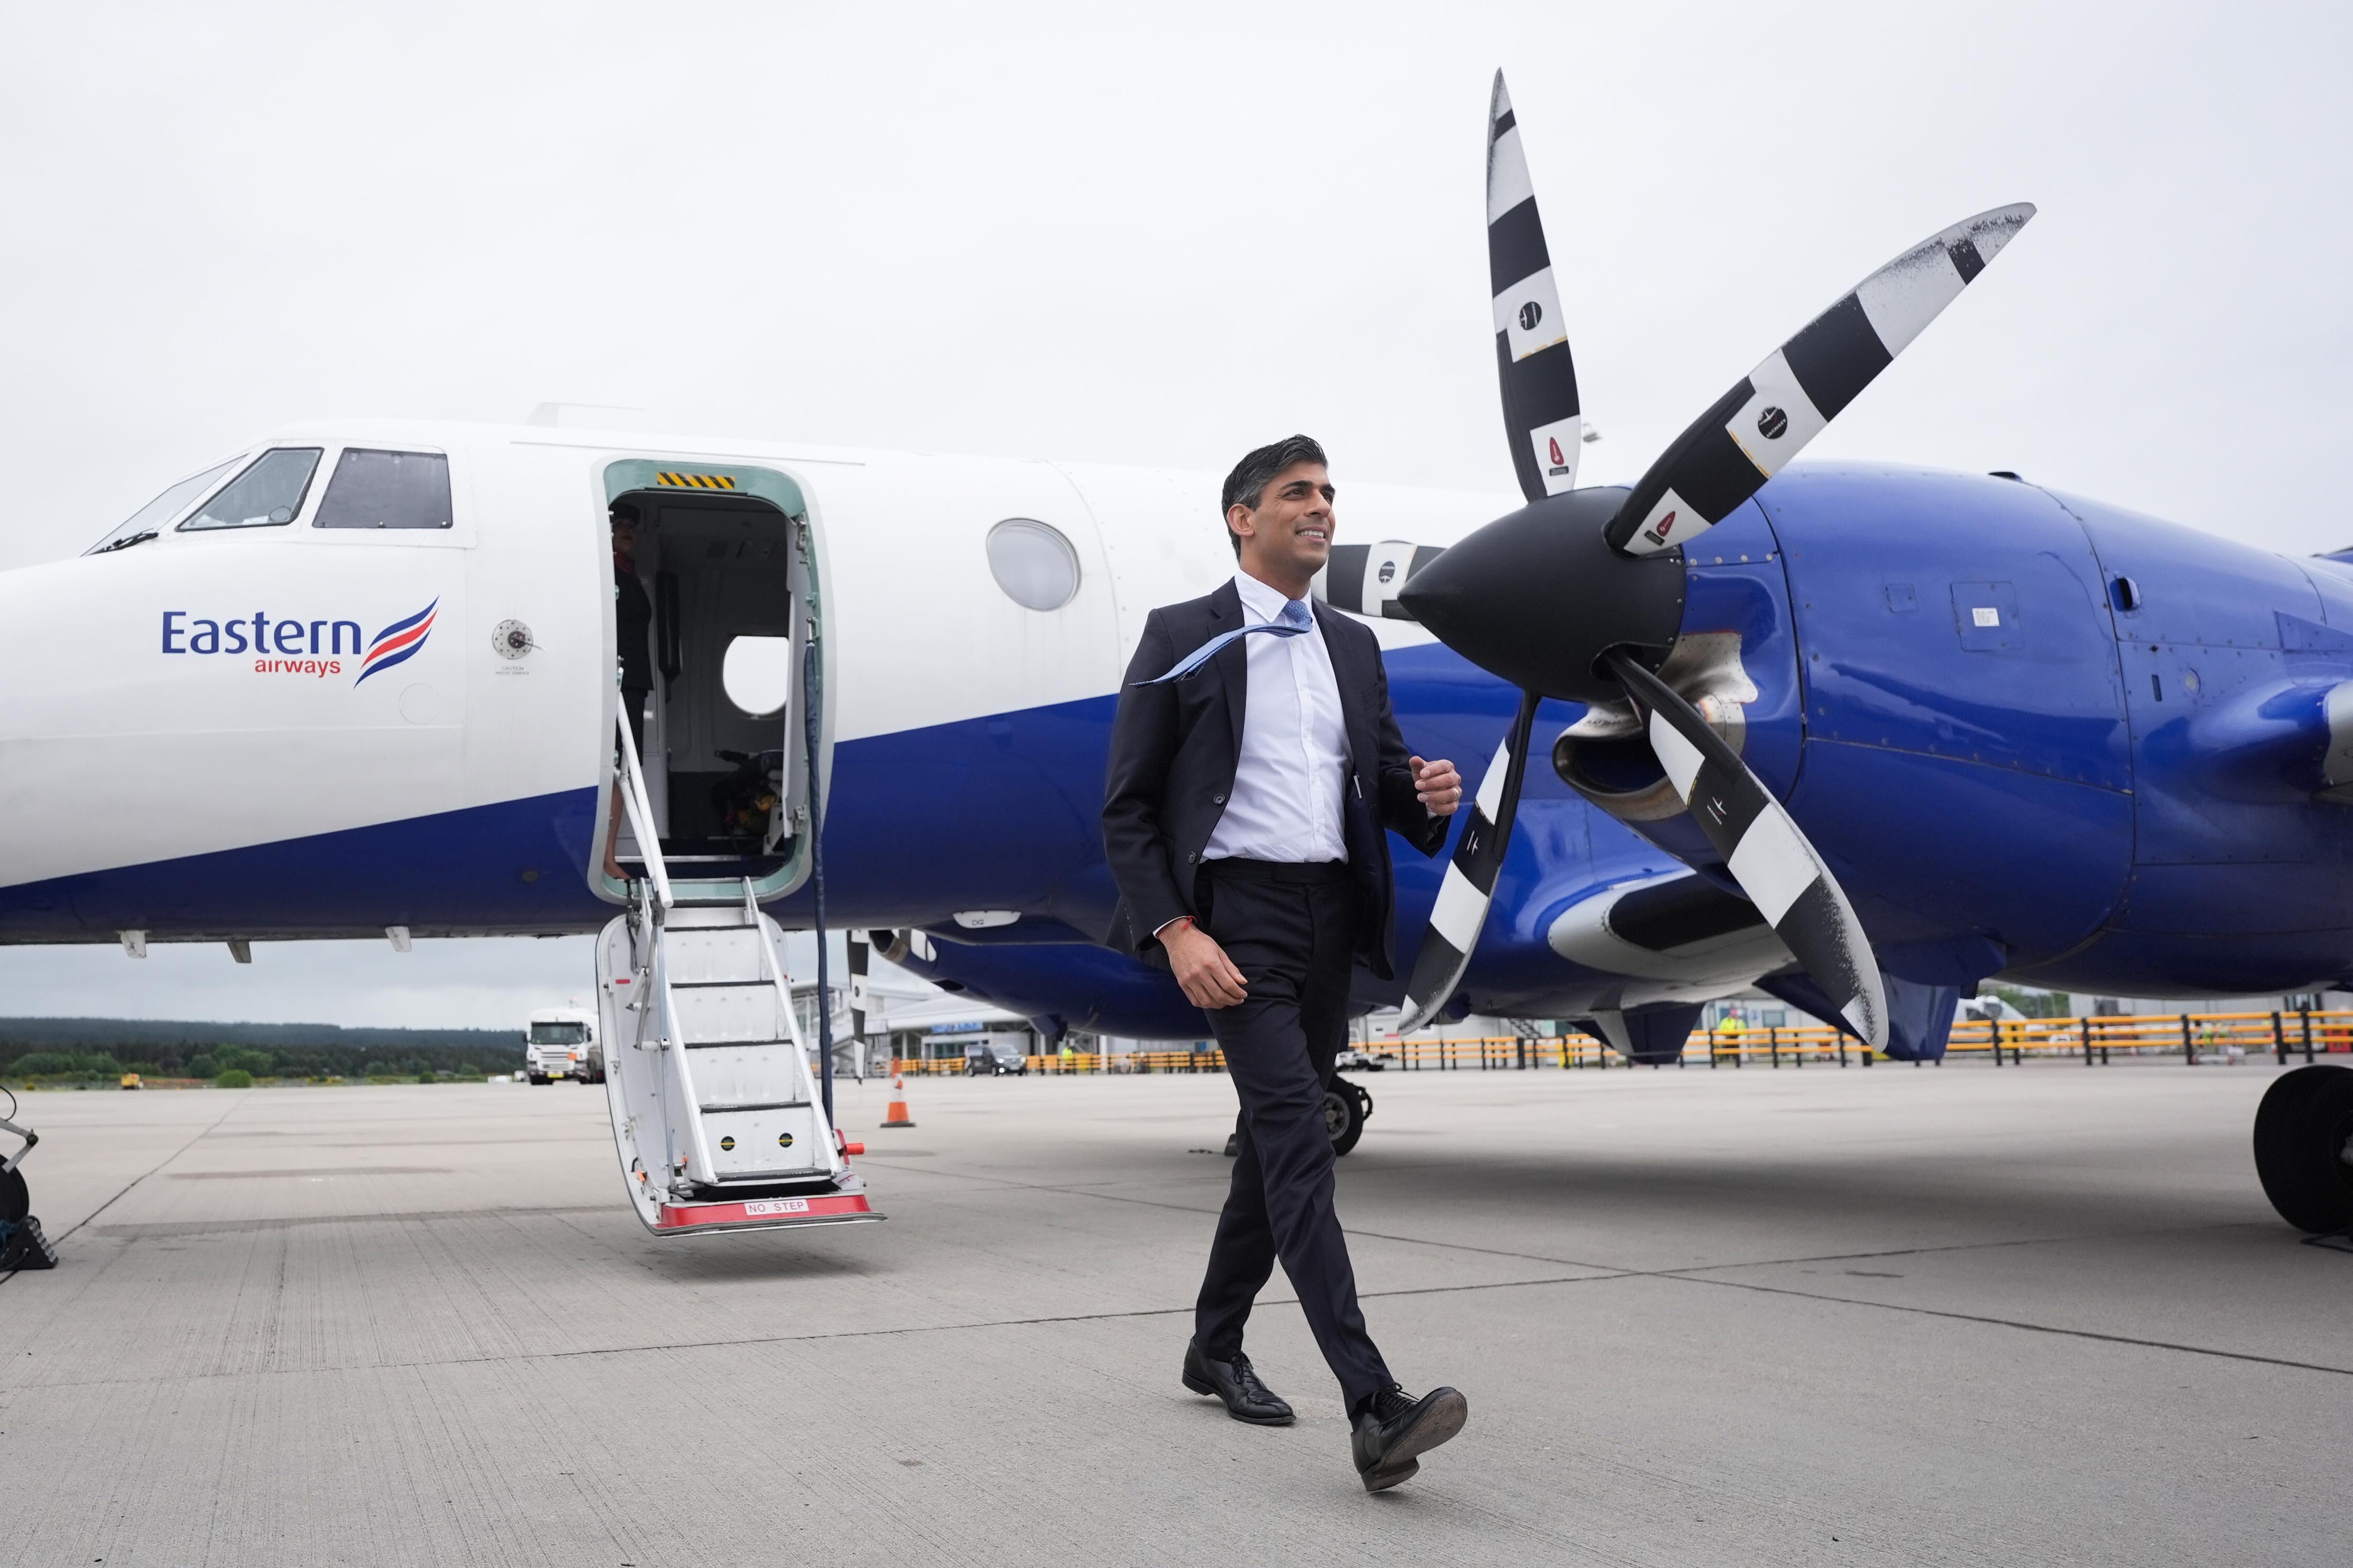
<point x="716" y="1115"/>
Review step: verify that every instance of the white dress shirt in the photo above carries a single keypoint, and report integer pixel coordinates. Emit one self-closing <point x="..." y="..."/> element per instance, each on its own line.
<point x="1285" y="802"/>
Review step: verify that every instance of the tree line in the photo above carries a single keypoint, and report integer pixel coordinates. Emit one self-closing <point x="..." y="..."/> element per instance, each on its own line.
<point x="107" y="1047"/>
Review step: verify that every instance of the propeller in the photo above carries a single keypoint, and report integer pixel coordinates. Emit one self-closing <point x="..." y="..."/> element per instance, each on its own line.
<point x="1469" y="882"/>
<point x="1774" y="864"/>
<point x="1579" y="594"/>
<point x="1793" y="395"/>
<point x="1532" y="360"/>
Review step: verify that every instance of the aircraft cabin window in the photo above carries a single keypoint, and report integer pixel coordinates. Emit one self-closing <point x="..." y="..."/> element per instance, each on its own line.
<point x="1033" y="563"/>
<point x="143" y="524"/>
<point x="267" y="495"/>
<point x="387" y="490"/>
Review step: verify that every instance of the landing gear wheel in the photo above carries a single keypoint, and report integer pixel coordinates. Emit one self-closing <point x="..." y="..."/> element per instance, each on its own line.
<point x="2304" y="1148"/>
<point x="15" y="1202"/>
<point x="1345" y="1106"/>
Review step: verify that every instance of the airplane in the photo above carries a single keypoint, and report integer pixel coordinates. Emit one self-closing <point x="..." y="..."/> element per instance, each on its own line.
<point x="357" y="680"/>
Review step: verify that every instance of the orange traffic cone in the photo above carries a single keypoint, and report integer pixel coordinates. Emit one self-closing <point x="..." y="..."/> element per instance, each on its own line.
<point x="896" y="1116"/>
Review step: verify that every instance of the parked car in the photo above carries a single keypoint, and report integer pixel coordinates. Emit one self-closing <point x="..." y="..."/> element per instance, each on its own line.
<point x="1366" y="1061"/>
<point x="994" y="1059"/>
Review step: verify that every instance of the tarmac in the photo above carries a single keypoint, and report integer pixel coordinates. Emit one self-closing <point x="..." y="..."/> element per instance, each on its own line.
<point x="1885" y="1315"/>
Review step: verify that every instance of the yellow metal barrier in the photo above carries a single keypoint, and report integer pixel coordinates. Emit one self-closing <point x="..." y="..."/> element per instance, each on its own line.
<point x="2196" y="1038"/>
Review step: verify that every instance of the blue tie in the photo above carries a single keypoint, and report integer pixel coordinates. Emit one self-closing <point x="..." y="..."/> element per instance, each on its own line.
<point x="1294" y="620"/>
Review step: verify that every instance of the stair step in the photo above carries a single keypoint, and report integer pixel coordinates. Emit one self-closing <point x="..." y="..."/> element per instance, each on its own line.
<point x="729" y="1014"/>
<point x="748" y="1072"/>
<point x="773" y="1174"/>
<point x="713" y="958"/>
<point x="769" y="1139"/>
<point x="714" y="915"/>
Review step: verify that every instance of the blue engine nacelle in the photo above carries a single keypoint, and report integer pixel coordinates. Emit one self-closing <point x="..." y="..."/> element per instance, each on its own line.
<point x="2031" y="734"/>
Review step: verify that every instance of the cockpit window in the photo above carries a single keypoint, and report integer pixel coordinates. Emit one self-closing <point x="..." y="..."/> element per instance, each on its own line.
<point x="387" y="490"/>
<point x="144" y="524"/>
<point x="267" y="495"/>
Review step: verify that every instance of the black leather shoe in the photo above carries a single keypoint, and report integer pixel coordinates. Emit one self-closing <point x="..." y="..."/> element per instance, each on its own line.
<point x="1396" y="1427"/>
<point x="1236" y="1382"/>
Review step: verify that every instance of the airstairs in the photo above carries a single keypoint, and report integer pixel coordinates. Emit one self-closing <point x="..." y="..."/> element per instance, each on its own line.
<point x="716" y="1114"/>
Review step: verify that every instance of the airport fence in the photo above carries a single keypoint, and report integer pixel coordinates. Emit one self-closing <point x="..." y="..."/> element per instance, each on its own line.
<point x="2194" y="1038"/>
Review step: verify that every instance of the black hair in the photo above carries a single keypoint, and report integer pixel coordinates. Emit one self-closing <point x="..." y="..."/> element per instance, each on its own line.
<point x="625" y="511"/>
<point x="1246" y="486"/>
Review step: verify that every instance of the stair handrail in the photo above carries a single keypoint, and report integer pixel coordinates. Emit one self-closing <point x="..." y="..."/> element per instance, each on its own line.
<point x="698" y="1151"/>
<point x="772" y="970"/>
<point x="632" y="784"/>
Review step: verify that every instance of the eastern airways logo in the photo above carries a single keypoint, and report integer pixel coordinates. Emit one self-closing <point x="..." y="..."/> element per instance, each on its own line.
<point x="285" y="646"/>
<point x="397" y="642"/>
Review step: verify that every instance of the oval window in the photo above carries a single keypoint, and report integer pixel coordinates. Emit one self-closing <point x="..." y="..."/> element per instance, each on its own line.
<point x="1033" y="563"/>
<point x="756" y="673"/>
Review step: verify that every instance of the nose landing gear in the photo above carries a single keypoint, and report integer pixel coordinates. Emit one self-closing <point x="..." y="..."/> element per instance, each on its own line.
<point x="1345" y="1106"/>
<point x="2304" y="1148"/>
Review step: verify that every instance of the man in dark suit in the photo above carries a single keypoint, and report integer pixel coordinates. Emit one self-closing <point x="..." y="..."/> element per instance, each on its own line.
<point x="1254" y="765"/>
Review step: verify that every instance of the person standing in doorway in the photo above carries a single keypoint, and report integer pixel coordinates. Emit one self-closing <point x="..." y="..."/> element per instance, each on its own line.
<point x="633" y="619"/>
<point x="1254" y="765"/>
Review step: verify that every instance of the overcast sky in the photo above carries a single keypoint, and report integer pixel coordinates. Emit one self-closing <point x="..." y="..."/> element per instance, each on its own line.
<point x="1128" y="235"/>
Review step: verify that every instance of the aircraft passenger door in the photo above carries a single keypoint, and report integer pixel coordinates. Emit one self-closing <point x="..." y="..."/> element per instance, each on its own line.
<point x="728" y="554"/>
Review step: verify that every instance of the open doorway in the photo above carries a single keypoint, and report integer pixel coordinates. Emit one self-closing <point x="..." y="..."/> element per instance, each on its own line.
<point x="722" y="556"/>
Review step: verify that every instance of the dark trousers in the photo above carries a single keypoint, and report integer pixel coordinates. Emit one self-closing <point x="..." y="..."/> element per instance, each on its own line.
<point x="1291" y="931"/>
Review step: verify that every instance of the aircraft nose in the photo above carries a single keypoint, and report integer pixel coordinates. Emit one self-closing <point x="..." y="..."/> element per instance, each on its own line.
<point x="1538" y="597"/>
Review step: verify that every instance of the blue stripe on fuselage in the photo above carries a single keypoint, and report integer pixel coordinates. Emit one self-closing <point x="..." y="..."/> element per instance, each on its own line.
<point x="997" y="812"/>
<point x="518" y="867"/>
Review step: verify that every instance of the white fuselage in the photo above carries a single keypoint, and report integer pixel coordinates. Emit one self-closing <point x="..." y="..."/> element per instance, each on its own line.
<point x="198" y="715"/>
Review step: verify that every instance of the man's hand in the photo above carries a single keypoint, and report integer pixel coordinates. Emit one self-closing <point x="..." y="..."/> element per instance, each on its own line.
<point x="1206" y="974"/>
<point x="1439" y="786"/>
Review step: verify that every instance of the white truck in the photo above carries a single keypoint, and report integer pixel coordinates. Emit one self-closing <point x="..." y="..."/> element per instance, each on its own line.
<point x="561" y="1042"/>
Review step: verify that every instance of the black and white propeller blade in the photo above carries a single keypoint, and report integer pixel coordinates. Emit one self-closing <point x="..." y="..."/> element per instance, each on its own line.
<point x="1725" y="458"/>
<point x="1366" y="579"/>
<point x="1764" y="421"/>
<point x="1531" y="339"/>
<point x="1470" y="885"/>
<point x="1539" y="382"/>
<point x="1776" y="866"/>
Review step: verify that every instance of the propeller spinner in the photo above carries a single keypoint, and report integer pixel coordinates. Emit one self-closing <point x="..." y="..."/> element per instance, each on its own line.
<point x="1579" y="594"/>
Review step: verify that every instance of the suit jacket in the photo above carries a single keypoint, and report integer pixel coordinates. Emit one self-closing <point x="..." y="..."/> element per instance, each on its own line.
<point x="1174" y="750"/>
